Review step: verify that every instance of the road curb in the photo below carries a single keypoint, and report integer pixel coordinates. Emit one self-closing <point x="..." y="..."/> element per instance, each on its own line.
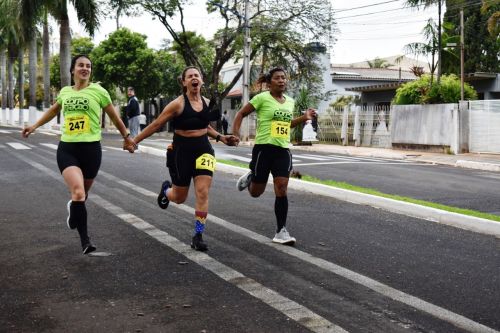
<point x="466" y="222"/>
<point x="478" y="165"/>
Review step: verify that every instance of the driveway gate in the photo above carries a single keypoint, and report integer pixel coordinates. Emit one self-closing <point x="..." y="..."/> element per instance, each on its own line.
<point x="484" y="130"/>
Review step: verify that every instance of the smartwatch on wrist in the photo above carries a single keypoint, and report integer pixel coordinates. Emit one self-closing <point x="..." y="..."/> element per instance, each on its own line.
<point x="217" y="139"/>
<point x="126" y="135"/>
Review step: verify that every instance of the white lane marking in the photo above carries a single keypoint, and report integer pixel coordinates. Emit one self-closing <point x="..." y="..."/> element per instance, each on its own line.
<point x="49" y="133"/>
<point x="313" y="157"/>
<point x="18" y="146"/>
<point x="383" y="289"/>
<point x="361" y="162"/>
<point x="236" y="157"/>
<point x="49" y="145"/>
<point x="118" y="149"/>
<point x="289" y="308"/>
<point x="5" y="131"/>
<point x="245" y="159"/>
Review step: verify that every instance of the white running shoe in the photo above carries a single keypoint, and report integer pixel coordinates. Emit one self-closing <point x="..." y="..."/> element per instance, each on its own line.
<point x="283" y="237"/>
<point x="244" y="181"/>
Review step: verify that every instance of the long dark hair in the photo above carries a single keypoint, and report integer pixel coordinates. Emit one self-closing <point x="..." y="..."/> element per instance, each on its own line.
<point x="75" y="58"/>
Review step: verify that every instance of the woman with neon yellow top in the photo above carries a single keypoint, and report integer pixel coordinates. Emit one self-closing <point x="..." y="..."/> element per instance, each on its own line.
<point x="79" y="151"/>
<point x="270" y="154"/>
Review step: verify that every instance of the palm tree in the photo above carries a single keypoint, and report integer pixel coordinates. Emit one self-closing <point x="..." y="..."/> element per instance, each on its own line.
<point x="11" y="41"/>
<point x="87" y="13"/>
<point x="3" y="53"/>
<point x="431" y="46"/>
<point x="378" y="63"/>
<point x="426" y="4"/>
<point x="29" y="15"/>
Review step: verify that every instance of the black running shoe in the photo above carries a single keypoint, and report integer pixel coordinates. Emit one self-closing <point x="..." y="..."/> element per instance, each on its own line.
<point x="162" y="198"/>
<point x="87" y="248"/>
<point x="198" y="243"/>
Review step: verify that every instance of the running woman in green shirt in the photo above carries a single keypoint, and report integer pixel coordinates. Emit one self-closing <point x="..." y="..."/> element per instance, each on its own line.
<point x="270" y="154"/>
<point x="79" y="151"/>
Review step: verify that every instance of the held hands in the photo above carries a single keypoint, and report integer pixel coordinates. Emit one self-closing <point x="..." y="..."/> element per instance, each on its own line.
<point x="230" y="140"/>
<point x="129" y="144"/>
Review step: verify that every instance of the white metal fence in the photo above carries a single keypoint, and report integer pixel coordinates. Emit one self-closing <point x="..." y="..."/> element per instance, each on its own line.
<point x="484" y="130"/>
<point x="355" y="125"/>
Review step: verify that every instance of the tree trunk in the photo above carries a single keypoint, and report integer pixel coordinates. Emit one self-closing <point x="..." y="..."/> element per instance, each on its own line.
<point x="3" y="75"/>
<point x="46" y="65"/>
<point x="10" y="75"/>
<point x="32" y="71"/>
<point x="65" y="52"/>
<point x="20" y="79"/>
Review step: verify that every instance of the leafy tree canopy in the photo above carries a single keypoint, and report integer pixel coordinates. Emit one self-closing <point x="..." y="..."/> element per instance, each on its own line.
<point x="482" y="45"/>
<point x="276" y="30"/>
<point x="124" y="60"/>
<point x="81" y="45"/>
<point x="425" y="91"/>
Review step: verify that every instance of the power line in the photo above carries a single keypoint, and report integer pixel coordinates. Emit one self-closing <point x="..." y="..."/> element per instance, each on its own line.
<point x="471" y="4"/>
<point x="375" y="4"/>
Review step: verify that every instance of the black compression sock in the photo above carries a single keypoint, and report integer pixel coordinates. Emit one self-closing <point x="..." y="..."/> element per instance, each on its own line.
<point x="79" y="216"/>
<point x="281" y="211"/>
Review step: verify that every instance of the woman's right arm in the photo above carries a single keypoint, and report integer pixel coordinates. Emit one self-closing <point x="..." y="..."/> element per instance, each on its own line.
<point x="46" y="117"/>
<point x="170" y="111"/>
<point x="244" y="111"/>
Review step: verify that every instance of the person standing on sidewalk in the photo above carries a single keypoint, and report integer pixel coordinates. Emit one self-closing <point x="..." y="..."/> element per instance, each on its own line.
<point x="133" y="112"/>
<point x="191" y="154"/>
<point x="79" y="152"/>
<point x="270" y="154"/>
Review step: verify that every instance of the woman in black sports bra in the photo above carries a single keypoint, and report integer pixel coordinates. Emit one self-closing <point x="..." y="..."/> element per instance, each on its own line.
<point x="190" y="155"/>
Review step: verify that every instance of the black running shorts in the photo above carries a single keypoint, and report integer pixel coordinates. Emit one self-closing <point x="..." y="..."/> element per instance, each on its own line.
<point x="85" y="155"/>
<point x="188" y="158"/>
<point x="270" y="159"/>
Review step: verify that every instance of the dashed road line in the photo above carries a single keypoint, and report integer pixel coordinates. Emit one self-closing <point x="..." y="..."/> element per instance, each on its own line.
<point x="49" y="145"/>
<point x="289" y="308"/>
<point x="18" y="146"/>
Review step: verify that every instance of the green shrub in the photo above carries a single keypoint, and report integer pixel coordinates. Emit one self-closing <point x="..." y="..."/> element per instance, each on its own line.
<point x="422" y="92"/>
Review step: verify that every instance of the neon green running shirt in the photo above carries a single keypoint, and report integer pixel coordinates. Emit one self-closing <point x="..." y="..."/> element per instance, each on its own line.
<point x="82" y="112"/>
<point x="273" y="119"/>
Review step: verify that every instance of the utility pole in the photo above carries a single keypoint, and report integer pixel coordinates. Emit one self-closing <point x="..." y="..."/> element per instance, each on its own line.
<point x="246" y="70"/>
<point x="462" y="54"/>
<point x="439" y="43"/>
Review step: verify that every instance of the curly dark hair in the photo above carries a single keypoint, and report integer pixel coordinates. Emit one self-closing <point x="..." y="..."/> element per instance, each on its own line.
<point x="268" y="76"/>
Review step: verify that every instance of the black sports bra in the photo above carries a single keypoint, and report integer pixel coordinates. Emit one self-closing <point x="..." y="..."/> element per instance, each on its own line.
<point x="191" y="119"/>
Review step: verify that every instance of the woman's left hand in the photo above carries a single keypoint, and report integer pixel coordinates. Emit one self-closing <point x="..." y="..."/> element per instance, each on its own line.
<point x="230" y="140"/>
<point x="129" y="144"/>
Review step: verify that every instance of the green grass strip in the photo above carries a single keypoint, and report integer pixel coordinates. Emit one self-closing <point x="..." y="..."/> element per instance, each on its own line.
<point x="347" y="186"/>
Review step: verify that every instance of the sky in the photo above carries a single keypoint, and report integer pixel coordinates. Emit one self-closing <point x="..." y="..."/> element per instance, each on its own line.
<point x="380" y="29"/>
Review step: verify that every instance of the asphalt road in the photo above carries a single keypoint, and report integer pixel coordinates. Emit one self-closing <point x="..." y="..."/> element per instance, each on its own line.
<point x="354" y="268"/>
